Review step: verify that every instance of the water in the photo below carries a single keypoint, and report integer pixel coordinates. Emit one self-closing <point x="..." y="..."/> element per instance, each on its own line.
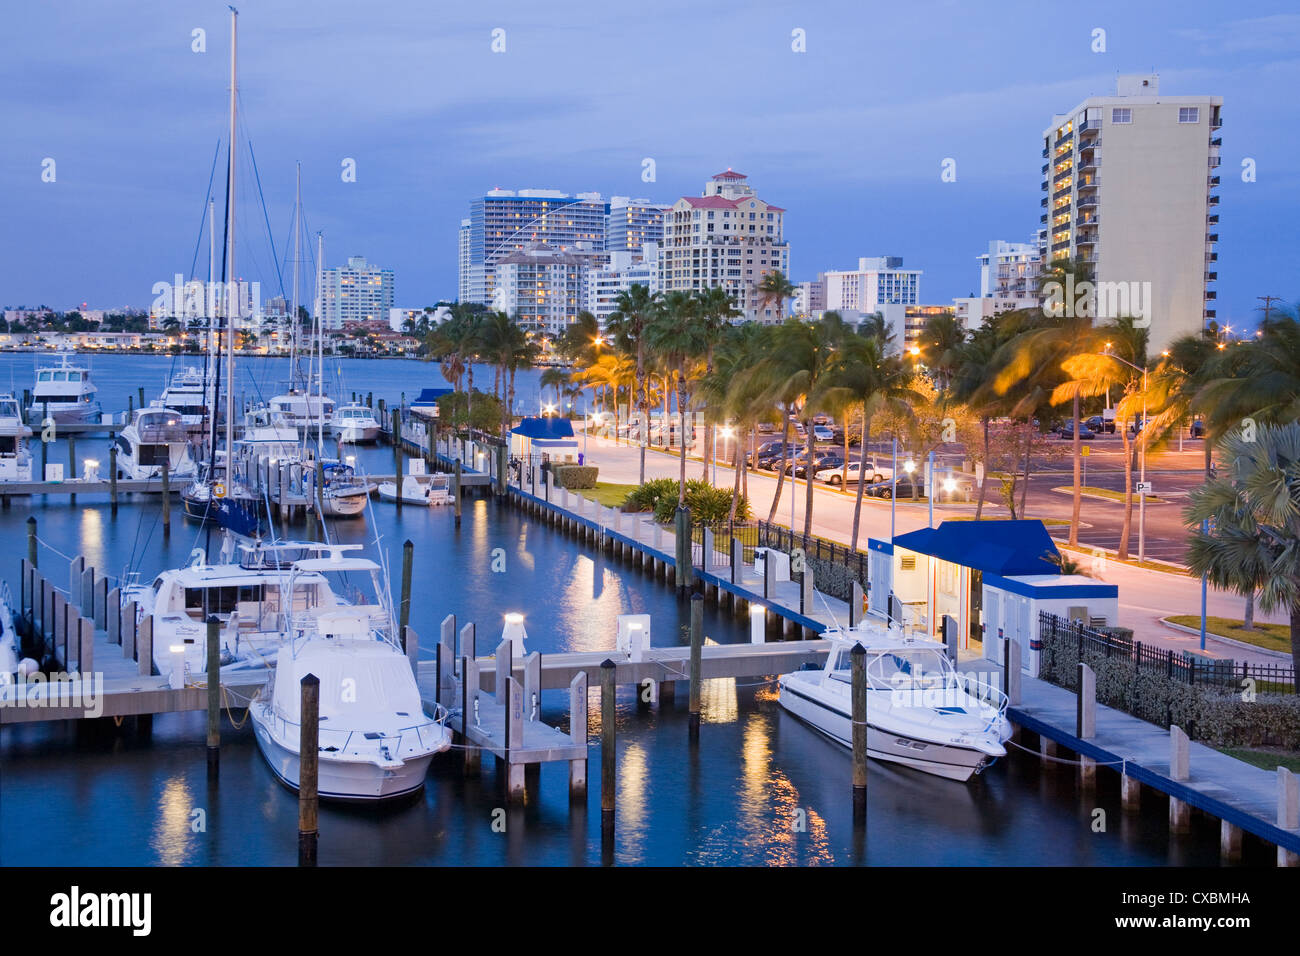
<point x="761" y="788"/>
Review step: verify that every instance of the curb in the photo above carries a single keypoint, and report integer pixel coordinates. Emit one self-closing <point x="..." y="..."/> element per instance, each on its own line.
<point x="1282" y="655"/>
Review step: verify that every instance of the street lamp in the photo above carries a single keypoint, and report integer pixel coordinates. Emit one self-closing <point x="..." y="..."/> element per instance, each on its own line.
<point x="1142" y="438"/>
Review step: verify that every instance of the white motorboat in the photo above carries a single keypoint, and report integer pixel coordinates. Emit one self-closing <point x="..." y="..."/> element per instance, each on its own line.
<point x="375" y="742"/>
<point x="11" y="662"/>
<point x="921" y="711"/>
<point x="269" y="434"/>
<point x="354" y="424"/>
<point x="65" y="393"/>
<point x="303" y="409"/>
<point x="192" y="393"/>
<point x="15" y="453"/>
<point x="155" y="436"/>
<point x="420" y="490"/>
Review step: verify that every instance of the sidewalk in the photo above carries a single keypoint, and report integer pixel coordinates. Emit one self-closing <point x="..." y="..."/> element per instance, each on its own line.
<point x="1144" y="596"/>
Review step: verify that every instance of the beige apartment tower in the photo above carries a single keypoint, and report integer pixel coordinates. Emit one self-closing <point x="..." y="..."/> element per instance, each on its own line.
<point x="1130" y="189"/>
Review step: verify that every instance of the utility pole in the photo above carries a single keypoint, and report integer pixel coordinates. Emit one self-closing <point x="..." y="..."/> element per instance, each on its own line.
<point x="1268" y="301"/>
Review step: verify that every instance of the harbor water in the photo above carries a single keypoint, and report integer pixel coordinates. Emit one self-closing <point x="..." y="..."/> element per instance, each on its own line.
<point x="761" y="788"/>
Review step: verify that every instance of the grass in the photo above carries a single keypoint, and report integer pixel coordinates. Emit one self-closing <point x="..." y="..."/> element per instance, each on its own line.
<point x="1061" y="522"/>
<point x="1273" y="637"/>
<point x="607" y="493"/>
<point x="1090" y="490"/>
<point x="1266" y="758"/>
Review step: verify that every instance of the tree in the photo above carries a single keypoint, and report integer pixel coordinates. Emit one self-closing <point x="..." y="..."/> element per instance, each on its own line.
<point x="715" y="315"/>
<point x="676" y="333"/>
<point x="1254" y="514"/>
<point x="773" y="289"/>
<point x="633" y="311"/>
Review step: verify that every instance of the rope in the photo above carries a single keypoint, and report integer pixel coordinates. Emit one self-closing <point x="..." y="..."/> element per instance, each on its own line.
<point x="1122" y="762"/>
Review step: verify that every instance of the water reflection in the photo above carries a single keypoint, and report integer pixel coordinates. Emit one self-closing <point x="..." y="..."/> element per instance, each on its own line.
<point x="172" y="835"/>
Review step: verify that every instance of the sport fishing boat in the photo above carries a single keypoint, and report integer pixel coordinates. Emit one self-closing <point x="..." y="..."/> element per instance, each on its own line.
<point x="192" y="393"/>
<point x="921" y="711"/>
<point x="155" y="436"/>
<point x="65" y="393"/>
<point x="432" y="489"/>
<point x="345" y="493"/>
<point x="303" y="409"/>
<point x="15" y="453"/>
<point x="355" y="423"/>
<point x="269" y="434"/>
<point x="375" y="742"/>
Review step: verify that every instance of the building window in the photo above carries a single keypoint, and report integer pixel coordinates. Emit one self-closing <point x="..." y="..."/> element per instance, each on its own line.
<point x="1121" y="114"/>
<point x="1189" y="114"/>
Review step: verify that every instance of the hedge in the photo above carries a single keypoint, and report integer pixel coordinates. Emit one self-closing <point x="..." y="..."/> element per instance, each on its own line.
<point x="575" y="476"/>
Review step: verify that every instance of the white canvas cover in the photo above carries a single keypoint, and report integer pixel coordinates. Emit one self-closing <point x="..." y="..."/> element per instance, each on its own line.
<point x="357" y="679"/>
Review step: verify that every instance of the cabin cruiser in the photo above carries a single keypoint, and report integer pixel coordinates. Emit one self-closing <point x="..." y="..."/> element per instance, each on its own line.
<point x="420" y="490"/>
<point x="355" y="423"/>
<point x="268" y="433"/>
<point x="15" y="454"/>
<point x="155" y="436"/>
<point x="65" y="393"/>
<point x="375" y="741"/>
<point x="304" y="409"/>
<point x="250" y="593"/>
<point x="191" y="392"/>
<point x="921" y="711"/>
<point x="345" y="493"/>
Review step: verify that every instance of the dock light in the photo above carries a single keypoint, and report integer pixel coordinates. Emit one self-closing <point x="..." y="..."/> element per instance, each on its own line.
<point x="176" y="676"/>
<point x="352" y="459"/>
<point x="90" y="469"/>
<point x="514" y="633"/>
<point x="757" y="624"/>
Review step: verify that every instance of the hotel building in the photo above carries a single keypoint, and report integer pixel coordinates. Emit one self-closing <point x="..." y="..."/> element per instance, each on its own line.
<point x="357" y="292"/>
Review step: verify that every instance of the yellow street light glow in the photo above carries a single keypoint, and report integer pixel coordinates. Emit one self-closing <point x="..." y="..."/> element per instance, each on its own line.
<point x="949" y="485"/>
<point x="728" y="431"/>
<point x="909" y="466"/>
<point x="915" y="350"/>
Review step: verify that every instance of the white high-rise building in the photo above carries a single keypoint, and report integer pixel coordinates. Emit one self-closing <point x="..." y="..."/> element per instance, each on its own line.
<point x="1009" y="274"/>
<point x="1129" y="182"/>
<point x="624" y="270"/>
<point x="631" y="223"/>
<point x="357" y="292"/>
<point x="878" y="284"/>
<point x="541" y="287"/>
<point x="728" y="238"/>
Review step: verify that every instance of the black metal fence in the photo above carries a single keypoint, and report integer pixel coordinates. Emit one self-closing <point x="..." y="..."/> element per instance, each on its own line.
<point x="783" y="539"/>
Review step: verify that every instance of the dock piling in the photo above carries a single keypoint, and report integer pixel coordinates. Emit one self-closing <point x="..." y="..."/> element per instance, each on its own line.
<point x="404" y="612"/>
<point x="214" y="695"/>
<point x="607" y="760"/>
<point x="1288" y="812"/>
<point x="411" y="642"/>
<point x="144" y="646"/>
<point x="31" y="542"/>
<point x="112" y="479"/>
<point x="858" y="672"/>
<point x="397" y="454"/>
<point x="1180" y="813"/>
<point x="167" y="500"/>
<point x="308" y="771"/>
<point x="72" y="464"/>
<point x="457" y="491"/>
<point x="578" y="731"/>
<point x="697" y="648"/>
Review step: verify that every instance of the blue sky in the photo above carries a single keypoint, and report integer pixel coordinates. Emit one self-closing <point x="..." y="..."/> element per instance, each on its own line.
<point x="848" y="137"/>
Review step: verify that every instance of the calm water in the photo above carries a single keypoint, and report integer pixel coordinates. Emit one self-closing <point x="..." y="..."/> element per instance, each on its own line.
<point x="104" y="796"/>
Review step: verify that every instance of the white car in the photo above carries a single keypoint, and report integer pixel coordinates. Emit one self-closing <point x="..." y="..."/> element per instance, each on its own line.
<point x="823" y="433"/>
<point x="856" y="471"/>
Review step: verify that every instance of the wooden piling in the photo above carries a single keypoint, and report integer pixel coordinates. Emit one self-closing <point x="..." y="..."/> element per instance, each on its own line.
<point x="858" y="670"/>
<point x="607" y="759"/>
<point x="31" y="542"/>
<point x="72" y="464"/>
<point x="112" y="479"/>
<point x="404" y="609"/>
<point x="308" y="770"/>
<point x="144" y="647"/>
<point x="457" y="490"/>
<point x="697" y="648"/>
<point x="214" y="696"/>
<point x="167" y="499"/>
<point x="578" y="731"/>
<point x="397" y="456"/>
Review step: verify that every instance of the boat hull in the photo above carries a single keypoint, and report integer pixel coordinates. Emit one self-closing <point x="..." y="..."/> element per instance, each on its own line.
<point x="339" y="779"/>
<point x="825" y="715"/>
<point x="65" y="413"/>
<point x="345" y="506"/>
<point x="355" y="435"/>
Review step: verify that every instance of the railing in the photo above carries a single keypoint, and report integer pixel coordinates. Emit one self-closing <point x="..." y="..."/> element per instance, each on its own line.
<point x="784" y="539"/>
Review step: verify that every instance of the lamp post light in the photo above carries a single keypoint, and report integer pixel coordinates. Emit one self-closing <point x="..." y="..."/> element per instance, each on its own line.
<point x="1142" y="439"/>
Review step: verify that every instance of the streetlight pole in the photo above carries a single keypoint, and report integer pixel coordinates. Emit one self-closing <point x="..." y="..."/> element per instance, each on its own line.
<point x="1142" y="446"/>
<point x="893" y="480"/>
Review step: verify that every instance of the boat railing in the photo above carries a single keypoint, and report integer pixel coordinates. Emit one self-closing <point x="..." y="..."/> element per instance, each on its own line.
<point x="339" y="741"/>
<point x="163" y="434"/>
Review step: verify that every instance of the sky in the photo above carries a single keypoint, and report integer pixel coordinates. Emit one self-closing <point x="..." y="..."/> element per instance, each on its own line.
<point x="849" y="136"/>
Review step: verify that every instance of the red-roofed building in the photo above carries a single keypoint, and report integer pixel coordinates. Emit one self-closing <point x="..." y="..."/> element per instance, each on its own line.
<point x="727" y="237"/>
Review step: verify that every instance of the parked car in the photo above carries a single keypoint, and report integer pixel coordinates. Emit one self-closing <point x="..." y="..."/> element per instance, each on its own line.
<point x="885" y="489"/>
<point x="1099" y="424"/>
<point x="857" y="471"/>
<point x="1198" y="429"/>
<point x="823" y="433"/>
<point x="822" y="462"/>
<point x="768" y="460"/>
<point x="1066" y="430"/>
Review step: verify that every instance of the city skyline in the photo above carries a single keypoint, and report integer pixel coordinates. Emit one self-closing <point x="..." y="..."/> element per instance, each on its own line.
<point x="860" y="177"/>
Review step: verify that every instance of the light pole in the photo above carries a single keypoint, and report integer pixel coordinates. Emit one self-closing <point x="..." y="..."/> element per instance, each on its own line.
<point x="893" y="481"/>
<point x="1142" y="440"/>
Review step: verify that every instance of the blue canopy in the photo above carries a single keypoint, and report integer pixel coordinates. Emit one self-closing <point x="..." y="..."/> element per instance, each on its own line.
<point x="430" y="396"/>
<point x="995" y="547"/>
<point x="544" y="428"/>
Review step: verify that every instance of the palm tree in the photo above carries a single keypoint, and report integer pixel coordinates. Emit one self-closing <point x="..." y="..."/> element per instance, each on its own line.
<point x="580" y="342"/>
<point x="1254" y="516"/>
<point x="557" y="379"/>
<point x="972" y="384"/>
<point x="864" y="374"/>
<point x="633" y="311"/>
<point x="715" y="312"/>
<point x="773" y="289"/>
<point x="942" y="337"/>
<point x="675" y="332"/>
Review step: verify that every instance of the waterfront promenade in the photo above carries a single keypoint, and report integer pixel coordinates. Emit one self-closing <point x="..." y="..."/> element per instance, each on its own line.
<point x="1145" y="596"/>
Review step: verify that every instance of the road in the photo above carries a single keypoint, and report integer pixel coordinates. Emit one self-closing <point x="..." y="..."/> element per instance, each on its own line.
<point x="1145" y="596"/>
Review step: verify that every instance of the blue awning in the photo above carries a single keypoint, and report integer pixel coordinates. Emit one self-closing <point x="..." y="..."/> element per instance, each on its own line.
<point x="430" y="396"/>
<point x="544" y="428"/>
<point x="995" y="547"/>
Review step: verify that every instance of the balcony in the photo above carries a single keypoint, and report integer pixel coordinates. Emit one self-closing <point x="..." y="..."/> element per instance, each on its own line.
<point x="1212" y="237"/>
<point x="1043" y="217"/>
<point x="1209" y="313"/>
<point x="1217" y="141"/>
<point x="1211" y="276"/>
<point x="1212" y="219"/>
<point x="1090" y="165"/>
<point x="1086" y="202"/>
<point x="1212" y="257"/>
<point x="1044" y="202"/>
<point x="1044" y="185"/>
<point x="1213" y="200"/>
<point x="1045" y="166"/>
<point x="1214" y="181"/>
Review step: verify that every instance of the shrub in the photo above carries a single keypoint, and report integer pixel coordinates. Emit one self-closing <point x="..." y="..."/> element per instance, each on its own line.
<point x="575" y="476"/>
<point x="647" y="496"/>
<point x="708" y="504"/>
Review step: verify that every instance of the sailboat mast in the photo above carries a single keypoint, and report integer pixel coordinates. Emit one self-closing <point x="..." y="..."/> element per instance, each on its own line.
<point x="297" y="256"/>
<point x="212" y="276"/>
<point x="232" y="299"/>
<point x="320" y="354"/>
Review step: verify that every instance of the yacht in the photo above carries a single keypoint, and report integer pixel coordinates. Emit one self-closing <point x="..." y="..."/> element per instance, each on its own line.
<point x="355" y="423"/>
<point x="65" y="393"/>
<point x="15" y="454"/>
<point x="155" y="436"/>
<point x="268" y="433"/>
<point x="345" y="493"/>
<point x="921" y="712"/>
<point x="375" y="742"/>
<point x="420" y="490"/>
<point x="304" y="409"/>
<point x="192" y="393"/>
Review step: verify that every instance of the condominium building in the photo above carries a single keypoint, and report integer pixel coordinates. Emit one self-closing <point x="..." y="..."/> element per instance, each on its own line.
<point x="1009" y="275"/>
<point x="621" y="271"/>
<point x="504" y="222"/>
<point x="356" y="292"/>
<point x="727" y="238"/>
<point x="541" y="287"/>
<point x="878" y="284"/>
<point x="1129" y="182"/>
<point x="810" y="299"/>
<point x="631" y="223"/>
